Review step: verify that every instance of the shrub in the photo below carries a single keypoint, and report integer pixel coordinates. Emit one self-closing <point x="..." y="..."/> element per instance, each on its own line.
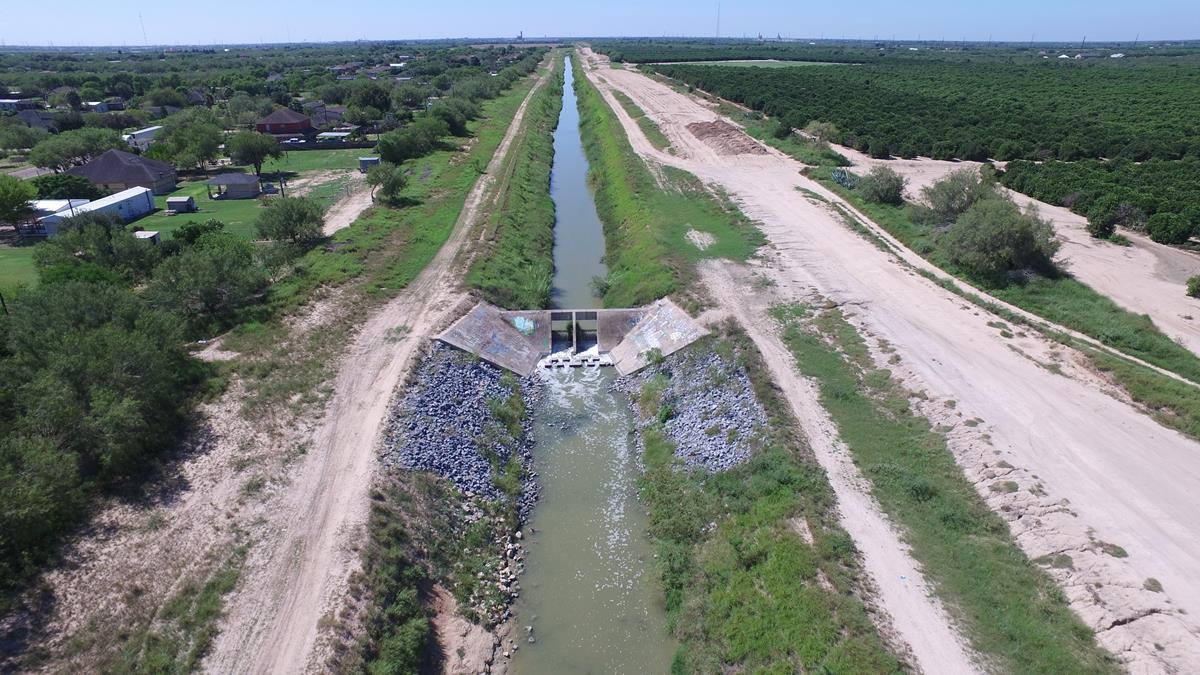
<point x="1169" y="228"/>
<point x="883" y="186"/>
<point x="994" y="238"/>
<point x="209" y="281"/>
<point x="950" y="197"/>
<point x="388" y="179"/>
<point x="1193" y="286"/>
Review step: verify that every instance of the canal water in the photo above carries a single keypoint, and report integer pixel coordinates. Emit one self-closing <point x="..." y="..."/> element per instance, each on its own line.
<point x="578" y="234"/>
<point x="589" y="592"/>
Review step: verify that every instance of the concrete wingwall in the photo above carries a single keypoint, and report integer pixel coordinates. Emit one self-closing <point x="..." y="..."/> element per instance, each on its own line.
<point x="518" y="340"/>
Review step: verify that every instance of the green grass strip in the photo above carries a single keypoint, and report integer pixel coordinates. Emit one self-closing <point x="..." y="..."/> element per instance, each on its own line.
<point x="1011" y="611"/>
<point x="517" y="269"/>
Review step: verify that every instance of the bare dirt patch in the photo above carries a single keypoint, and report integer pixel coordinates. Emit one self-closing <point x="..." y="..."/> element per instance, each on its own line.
<point x="725" y="138"/>
<point x="701" y="240"/>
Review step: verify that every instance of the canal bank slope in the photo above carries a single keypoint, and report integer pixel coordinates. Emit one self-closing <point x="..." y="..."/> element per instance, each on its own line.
<point x="1091" y="450"/>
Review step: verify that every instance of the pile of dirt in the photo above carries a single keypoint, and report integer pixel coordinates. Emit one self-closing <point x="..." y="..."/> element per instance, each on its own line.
<point x="725" y="138"/>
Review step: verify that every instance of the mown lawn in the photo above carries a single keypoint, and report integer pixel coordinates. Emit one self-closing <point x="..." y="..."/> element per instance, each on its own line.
<point x="239" y="214"/>
<point x="16" y="267"/>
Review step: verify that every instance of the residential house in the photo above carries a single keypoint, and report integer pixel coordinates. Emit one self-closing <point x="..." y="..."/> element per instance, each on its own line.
<point x="234" y="186"/>
<point x="120" y="170"/>
<point x="38" y="119"/>
<point x="285" y="122"/>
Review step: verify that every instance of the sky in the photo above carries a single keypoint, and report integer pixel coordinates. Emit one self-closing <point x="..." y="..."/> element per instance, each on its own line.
<point x="121" y="22"/>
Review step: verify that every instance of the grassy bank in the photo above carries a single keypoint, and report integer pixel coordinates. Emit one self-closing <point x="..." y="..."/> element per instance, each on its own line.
<point x="516" y="268"/>
<point x="1012" y="612"/>
<point x="757" y="573"/>
<point x="646" y="221"/>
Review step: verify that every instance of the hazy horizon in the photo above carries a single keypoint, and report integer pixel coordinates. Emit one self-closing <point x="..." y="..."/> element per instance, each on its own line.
<point x="129" y="23"/>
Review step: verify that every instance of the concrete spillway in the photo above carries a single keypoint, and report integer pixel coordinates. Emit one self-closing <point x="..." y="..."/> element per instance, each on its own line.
<point x="520" y="340"/>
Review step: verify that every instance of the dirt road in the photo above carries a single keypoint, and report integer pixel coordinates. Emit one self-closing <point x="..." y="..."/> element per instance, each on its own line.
<point x="1145" y="278"/>
<point x="1127" y="480"/>
<point x="347" y="209"/>
<point x="292" y="582"/>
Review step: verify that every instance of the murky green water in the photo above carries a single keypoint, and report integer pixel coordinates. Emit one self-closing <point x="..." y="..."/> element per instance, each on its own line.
<point x="578" y="234"/>
<point x="589" y="590"/>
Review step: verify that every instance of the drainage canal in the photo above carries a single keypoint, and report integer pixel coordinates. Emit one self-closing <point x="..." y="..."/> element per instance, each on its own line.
<point x="589" y="592"/>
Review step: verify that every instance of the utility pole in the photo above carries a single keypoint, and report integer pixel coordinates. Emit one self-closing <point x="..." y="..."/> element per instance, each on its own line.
<point x="718" y="21"/>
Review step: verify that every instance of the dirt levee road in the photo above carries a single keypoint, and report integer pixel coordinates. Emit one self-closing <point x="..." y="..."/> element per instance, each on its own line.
<point x="1127" y="480"/>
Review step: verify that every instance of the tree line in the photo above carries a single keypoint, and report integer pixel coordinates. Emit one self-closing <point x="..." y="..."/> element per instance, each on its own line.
<point x="978" y="110"/>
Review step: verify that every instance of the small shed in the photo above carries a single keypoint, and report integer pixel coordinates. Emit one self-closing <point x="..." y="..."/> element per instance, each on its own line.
<point x="181" y="204"/>
<point x="234" y="186"/>
<point x="365" y="163"/>
<point x="148" y="235"/>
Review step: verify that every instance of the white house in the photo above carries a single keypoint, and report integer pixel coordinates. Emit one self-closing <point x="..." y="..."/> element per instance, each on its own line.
<point x="127" y="205"/>
<point x="142" y="139"/>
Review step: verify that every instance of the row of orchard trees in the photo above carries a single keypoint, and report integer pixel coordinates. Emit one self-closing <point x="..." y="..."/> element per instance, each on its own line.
<point x="977" y="111"/>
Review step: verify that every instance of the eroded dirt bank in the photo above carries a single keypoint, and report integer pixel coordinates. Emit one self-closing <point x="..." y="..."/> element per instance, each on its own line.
<point x="1090" y="469"/>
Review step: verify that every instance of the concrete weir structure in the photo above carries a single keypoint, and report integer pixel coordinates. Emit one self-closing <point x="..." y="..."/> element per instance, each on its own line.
<point x="521" y="340"/>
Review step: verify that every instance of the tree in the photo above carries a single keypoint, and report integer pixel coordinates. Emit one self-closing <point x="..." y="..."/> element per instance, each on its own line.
<point x="950" y="197"/>
<point x="1169" y="228"/>
<point x="252" y="147"/>
<point x="296" y="220"/>
<point x="389" y="179"/>
<point x="17" y="136"/>
<point x="188" y="139"/>
<point x="1102" y="217"/>
<point x="15" y="195"/>
<point x="208" y="282"/>
<point x="993" y="238"/>
<point x="65" y="186"/>
<point x="71" y="148"/>
<point x="416" y="140"/>
<point x="1193" y="287"/>
<point x="882" y="185"/>
<point x="368" y="94"/>
<point x="94" y="239"/>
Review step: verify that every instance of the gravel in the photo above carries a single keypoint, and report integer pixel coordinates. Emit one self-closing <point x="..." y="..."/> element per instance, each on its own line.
<point x="444" y="424"/>
<point x="714" y="413"/>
